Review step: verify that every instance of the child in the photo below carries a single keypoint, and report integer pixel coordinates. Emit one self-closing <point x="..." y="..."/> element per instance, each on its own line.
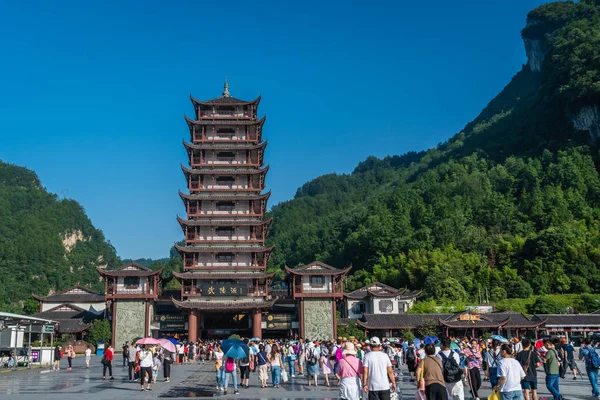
<point x="155" y="367"/>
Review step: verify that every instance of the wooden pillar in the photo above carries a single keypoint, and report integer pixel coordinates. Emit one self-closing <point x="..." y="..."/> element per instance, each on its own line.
<point x="147" y="320"/>
<point x="193" y="326"/>
<point x="114" y="323"/>
<point x="302" y="335"/>
<point x="256" y="324"/>
<point x="334" y="319"/>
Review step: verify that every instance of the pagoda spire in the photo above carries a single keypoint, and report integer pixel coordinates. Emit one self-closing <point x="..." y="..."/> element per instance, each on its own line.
<point x="226" y="89"/>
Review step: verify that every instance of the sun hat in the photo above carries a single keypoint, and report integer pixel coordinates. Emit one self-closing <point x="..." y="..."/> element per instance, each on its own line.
<point x="375" y="340"/>
<point x="348" y="349"/>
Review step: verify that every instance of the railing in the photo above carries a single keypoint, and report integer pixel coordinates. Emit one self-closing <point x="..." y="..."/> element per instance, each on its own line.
<point x="198" y="137"/>
<point x="220" y="239"/>
<point x="220" y="113"/>
<point x="131" y="291"/>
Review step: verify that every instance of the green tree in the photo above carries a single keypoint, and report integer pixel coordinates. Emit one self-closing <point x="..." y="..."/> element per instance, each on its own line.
<point x="547" y="305"/>
<point x="351" y="330"/>
<point x="31" y="306"/>
<point x="429" y="327"/>
<point x="100" y="330"/>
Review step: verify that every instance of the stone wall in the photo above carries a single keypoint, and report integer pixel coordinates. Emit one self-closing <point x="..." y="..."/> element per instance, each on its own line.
<point x="318" y="319"/>
<point x="130" y="319"/>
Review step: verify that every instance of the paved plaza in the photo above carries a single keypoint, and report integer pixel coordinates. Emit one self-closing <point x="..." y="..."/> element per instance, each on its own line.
<point x="195" y="381"/>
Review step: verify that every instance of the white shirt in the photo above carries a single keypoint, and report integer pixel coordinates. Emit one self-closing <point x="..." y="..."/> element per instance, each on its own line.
<point x="146" y="359"/>
<point x="512" y="370"/>
<point x="88" y="352"/>
<point x="422" y="354"/>
<point x="377" y="363"/>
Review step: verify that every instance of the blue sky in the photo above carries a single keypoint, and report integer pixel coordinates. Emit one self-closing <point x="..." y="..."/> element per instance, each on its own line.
<point x="93" y="93"/>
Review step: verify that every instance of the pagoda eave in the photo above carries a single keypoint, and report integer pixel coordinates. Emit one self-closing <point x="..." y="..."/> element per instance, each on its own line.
<point x="248" y="197"/>
<point x="224" y="249"/>
<point x="221" y="305"/>
<point x="221" y="171"/>
<point x="225" y="146"/>
<point x="234" y="102"/>
<point x="231" y="222"/>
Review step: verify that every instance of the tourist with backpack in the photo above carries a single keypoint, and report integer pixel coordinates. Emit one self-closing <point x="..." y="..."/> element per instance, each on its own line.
<point x="510" y="373"/>
<point x="451" y="371"/>
<point x="431" y="375"/>
<point x="592" y="364"/>
<point x="493" y="358"/>
<point x="230" y="368"/>
<point x="411" y="360"/>
<point x="312" y="363"/>
<point x="529" y="360"/>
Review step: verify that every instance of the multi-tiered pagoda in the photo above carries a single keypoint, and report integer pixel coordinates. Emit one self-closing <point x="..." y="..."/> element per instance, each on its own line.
<point x="224" y="283"/>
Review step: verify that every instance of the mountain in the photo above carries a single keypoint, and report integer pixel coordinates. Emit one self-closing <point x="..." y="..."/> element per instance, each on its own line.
<point x="506" y="208"/>
<point x="47" y="244"/>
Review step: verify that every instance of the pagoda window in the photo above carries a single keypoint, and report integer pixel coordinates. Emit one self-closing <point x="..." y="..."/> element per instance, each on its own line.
<point x="225" y="232"/>
<point x="225" y="133"/>
<point x="225" y="256"/>
<point x="132" y="282"/>
<point x="225" y="205"/>
<point x="317" y="281"/>
<point x="225" y="156"/>
<point x="386" y="306"/>
<point x="225" y="180"/>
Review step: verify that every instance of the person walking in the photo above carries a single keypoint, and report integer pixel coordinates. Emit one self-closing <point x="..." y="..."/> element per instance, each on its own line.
<point x="378" y="373"/>
<point x="70" y="356"/>
<point x="473" y="359"/>
<point x="107" y="361"/>
<point x="510" y="374"/>
<point x="58" y="353"/>
<point x="529" y="360"/>
<point x="131" y="362"/>
<point x="492" y="359"/>
<point x="570" y="354"/>
<point x="312" y="363"/>
<point x="262" y="361"/>
<point x="167" y="361"/>
<point x="431" y="375"/>
<point x="451" y="371"/>
<point x="125" y="354"/>
<point x="552" y="369"/>
<point x="230" y="371"/>
<point x="326" y="366"/>
<point x="275" y="360"/>
<point x="245" y="370"/>
<point x="291" y="358"/>
<point x="219" y="367"/>
<point x="411" y="360"/>
<point x="155" y="366"/>
<point x="146" y="363"/>
<point x="88" y="357"/>
<point x="592" y="362"/>
<point x="349" y="374"/>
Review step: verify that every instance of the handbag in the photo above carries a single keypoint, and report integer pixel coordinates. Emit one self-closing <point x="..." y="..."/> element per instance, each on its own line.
<point x="284" y="375"/>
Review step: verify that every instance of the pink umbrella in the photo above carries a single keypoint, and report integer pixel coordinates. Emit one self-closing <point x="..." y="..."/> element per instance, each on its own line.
<point x="167" y="345"/>
<point x="147" y="340"/>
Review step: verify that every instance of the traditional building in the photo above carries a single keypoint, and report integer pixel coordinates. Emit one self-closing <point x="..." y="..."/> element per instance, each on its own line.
<point x="317" y="287"/>
<point x="225" y="286"/>
<point x="378" y="298"/>
<point x="77" y="296"/>
<point x="131" y="292"/>
<point x="72" y="320"/>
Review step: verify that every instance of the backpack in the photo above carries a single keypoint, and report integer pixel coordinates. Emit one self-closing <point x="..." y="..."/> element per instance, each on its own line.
<point x="229" y="364"/>
<point x="452" y="372"/>
<point x="312" y="359"/>
<point x="411" y="356"/>
<point x="593" y="358"/>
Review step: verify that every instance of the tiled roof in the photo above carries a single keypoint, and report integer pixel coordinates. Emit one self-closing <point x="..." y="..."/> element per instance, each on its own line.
<point x="224" y="248"/>
<point x="317" y="268"/>
<point x="569" y="320"/>
<point x="224" y="99"/>
<point x="398" y="321"/>
<point x="374" y="289"/>
<point x="226" y="121"/>
<point x="71" y="318"/>
<point x="76" y="294"/>
<point x="224" y="222"/>
<point x="223" y="275"/>
<point x="218" y="146"/>
<point x="131" y="269"/>
<point x="225" y="171"/>
<point x="225" y="305"/>
<point x="232" y="195"/>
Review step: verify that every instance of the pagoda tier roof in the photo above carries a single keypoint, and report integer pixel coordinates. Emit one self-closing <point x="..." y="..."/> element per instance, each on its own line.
<point x="131" y="269"/>
<point x="225" y="171"/>
<point x="224" y="121"/>
<point x="228" y="146"/>
<point x="71" y="319"/>
<point x="224" y="275"/>
<point x="224" y="100"/>
<point x="377" y="289"/>
<point x="225" y="196"/>
<point x="317" y="268"/>
<point x="223" y="222"/>
<point x="75" y="294"/>
<point x="232" y="248"/>
<point x="225" y="305"/>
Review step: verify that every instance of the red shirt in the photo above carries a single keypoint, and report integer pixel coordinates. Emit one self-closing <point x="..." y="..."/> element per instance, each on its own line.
<point x="109" y="354"/>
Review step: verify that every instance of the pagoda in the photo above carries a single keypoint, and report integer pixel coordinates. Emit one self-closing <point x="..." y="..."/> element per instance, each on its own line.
<point x="224" y="284"/>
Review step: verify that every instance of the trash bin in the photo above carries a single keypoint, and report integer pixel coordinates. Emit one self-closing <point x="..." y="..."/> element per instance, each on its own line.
<point x="100" y="348"/>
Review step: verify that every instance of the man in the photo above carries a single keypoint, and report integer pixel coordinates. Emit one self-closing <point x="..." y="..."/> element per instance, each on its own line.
<point x="517" y="346"/>
<point x="125" y="354"/>
<point x="552" y="370"/>
<point x="450" y="362"/>
<point x="570" y="354"/>
<point x="432" y="372"/>
<point x="107" y="364"/>
<point x="377" y="373"/>
<point x="589" y="354"/>
<point x="131" y="350"/>
<point x="510" y="374"/>
<point x="529" y="360"/>
<point x="492" y="357"/>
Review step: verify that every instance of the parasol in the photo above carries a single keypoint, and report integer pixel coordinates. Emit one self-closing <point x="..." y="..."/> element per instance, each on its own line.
<point x="167" y="345"/>
<point x="147" y="340"/>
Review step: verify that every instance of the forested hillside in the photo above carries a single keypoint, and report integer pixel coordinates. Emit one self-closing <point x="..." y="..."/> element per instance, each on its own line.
<point x="46" y="244"/>
<point x="509" y="206"/>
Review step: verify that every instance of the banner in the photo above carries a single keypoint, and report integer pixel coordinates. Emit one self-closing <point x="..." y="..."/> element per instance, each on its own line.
<point x="224" y="289"/>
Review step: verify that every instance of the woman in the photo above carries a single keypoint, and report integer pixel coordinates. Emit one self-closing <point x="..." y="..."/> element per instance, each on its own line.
<point x="349" y="373"/>
<point x="230" y="371"/>
<point x="88" y="357"/>
<point x="219" y="367"/>
<point x="245" y="370"/>
<point x="312" y="363"/>
<point x="57" y="356"/>
<point x="167" y="361"/>
<point x="107" y="362"/>
<point x="146" y="363"/>
<point x="70" y="356"/>
<point x="473" y="365"/>
<point x="431" y="375"/>
<point x="275" y="360"/>
<point x="262" y="359"/>
<point x="326" y="366"/>
<point x="291" y="357"/>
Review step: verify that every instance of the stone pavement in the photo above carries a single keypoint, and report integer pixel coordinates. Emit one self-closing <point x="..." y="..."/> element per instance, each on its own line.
<point x="198" y="381"/>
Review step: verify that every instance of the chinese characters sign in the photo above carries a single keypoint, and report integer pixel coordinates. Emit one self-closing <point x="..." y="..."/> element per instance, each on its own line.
<point x="224" y="289"/>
